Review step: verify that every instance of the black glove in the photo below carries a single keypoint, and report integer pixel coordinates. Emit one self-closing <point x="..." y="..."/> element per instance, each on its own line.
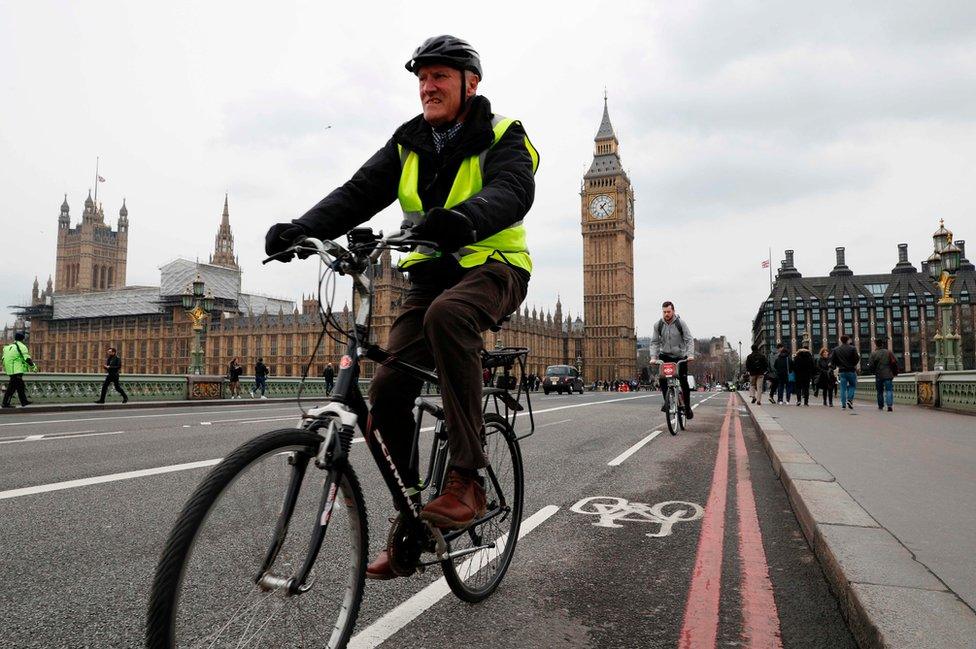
<point x="280" y="237"/>
<point x="449" y="229"/>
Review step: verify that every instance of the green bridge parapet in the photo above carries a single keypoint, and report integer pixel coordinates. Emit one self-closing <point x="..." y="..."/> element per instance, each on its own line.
<point x="955" y="391"/>
<point x="53" y="388"/>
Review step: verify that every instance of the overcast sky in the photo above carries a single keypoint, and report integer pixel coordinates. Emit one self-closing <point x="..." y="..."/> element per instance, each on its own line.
<point x="743" y="126"/>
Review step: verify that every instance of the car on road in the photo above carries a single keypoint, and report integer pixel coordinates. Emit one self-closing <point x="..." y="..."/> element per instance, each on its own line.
<point x="562" y="378"/>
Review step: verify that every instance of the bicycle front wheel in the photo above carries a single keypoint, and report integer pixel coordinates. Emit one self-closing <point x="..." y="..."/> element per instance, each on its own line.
<point x="253" y="516"/>
<point x="475" y="575"/>
<point x="671" y="401"/>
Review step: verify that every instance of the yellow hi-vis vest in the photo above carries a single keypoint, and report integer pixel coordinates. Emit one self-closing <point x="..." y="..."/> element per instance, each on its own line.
<point x="508" y="245"/>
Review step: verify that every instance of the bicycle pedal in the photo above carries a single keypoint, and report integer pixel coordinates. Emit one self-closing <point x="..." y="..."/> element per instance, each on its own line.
<point x="440" y="545"/>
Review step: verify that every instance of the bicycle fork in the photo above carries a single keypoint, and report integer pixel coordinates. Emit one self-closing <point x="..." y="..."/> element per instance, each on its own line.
<point x="331" y="456"/>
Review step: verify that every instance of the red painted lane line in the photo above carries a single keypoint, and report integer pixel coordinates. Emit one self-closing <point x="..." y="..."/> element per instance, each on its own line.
<point x="760" y="623"/>
<point x="700" y="628"/>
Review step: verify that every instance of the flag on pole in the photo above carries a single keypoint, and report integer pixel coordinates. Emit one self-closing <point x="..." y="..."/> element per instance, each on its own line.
<point x="101" y="179"/>
<point x="765" y="263"/>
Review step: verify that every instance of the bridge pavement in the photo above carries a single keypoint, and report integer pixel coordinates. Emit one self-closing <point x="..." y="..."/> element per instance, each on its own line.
<point x="886" y="499"/>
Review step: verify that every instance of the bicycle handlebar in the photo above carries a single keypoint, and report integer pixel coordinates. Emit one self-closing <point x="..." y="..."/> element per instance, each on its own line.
<point x="401" y="240"/>
<point x="658" y="361"/>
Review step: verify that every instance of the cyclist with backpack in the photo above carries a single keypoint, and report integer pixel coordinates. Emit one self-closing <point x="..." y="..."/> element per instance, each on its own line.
<point x="671" y="341"/>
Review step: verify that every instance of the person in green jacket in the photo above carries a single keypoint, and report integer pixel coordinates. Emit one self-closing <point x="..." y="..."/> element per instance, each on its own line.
<point x="16" y="361"/>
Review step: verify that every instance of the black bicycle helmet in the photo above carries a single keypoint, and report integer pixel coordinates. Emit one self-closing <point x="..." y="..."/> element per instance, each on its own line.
<point x="446" y="50"/>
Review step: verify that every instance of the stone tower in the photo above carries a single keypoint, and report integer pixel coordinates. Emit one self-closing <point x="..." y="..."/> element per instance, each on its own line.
<point x="607" y="217"/>
<point x="223" y="254"/>
<point x="90" y="256"/>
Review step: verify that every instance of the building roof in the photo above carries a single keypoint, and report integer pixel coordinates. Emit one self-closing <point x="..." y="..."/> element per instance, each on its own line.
<point x="258" y="304"/>
<point x="131" y="300"/>
<point x="174" y="277"/>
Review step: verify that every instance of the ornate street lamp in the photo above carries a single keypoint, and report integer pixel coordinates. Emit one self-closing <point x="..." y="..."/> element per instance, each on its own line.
<point x="942" y="265"/>
<point x="198" y="306"/>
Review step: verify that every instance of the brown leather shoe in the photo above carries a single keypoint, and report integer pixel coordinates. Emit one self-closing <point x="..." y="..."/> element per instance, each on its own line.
<point x="462" y="502"/>
<point x="380" y="568"/>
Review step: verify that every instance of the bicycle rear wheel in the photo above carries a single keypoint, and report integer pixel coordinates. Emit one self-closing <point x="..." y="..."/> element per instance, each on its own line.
<point x="671" y="401"/>
<point x="475" y="576"/>
<point x="205" y="592"/>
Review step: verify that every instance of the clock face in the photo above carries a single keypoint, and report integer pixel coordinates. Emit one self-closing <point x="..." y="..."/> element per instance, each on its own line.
<point x="602" y="206"/>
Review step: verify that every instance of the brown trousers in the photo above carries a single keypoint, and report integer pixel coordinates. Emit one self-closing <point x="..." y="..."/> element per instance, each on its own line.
<point x="441" y="326"/>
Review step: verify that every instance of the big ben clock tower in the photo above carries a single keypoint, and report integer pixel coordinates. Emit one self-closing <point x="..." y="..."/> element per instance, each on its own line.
<point x="607" y="214"/>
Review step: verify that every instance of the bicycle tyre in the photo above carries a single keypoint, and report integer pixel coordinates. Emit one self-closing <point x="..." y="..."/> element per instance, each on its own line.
<point x="460" y="572"/>
<point x="165" y="628"/>
<point x="671" y="415"/>
<point x="681" y="415"/>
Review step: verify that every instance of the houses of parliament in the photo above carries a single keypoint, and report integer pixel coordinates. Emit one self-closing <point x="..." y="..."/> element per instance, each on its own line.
<point x="88" y="307"/>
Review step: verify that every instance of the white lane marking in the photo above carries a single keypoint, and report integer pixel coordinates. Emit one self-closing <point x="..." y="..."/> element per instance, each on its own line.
<point x="84" y="482"/>
<point x="206" y="423"/>
<point x="60" y="436"/>
<point x="53" y="436"/>
<point x="617" y="461"/>
<point x="168" y="414"/>
<point x="399" y="617"/>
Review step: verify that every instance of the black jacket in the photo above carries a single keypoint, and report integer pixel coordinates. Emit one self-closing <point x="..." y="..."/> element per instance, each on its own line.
<point x="508" y="185"/>
<point x="234" y="372"/>
<point x="260" y="369"/>
<point x="757" y="364"/>
<point x="328" y="373"/>
<point x="783" y="366"/>
<point x="825" y="373"/>
<point x="803" y="365"/>
<point x="114" y="365"/>
<point x="845" y="358"/>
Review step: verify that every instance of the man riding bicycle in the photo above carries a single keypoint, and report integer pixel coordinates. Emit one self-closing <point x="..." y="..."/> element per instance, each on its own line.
<point x="671" y="341"/>
<point x="464" y="178"/>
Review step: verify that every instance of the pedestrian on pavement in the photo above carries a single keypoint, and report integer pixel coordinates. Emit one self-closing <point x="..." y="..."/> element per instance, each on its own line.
<point x="783" y="365"/>
<point x="756" y="366"/>
<point x="845" y="358"/>
<point x="17" y="361"/>
<point x="260" y="378"/>
<point x="771" y="373"/>
<point x="234" y="371"/>
<point x="883" y="365"/>
<point x="803" y="368"/>
<point x="329" y="375"/>
<point x="826" y="380"/>
<point x="112" y="366"/>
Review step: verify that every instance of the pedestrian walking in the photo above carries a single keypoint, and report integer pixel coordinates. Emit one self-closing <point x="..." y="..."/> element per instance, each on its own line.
<point x="756" y="365"/>
<point x="112" y="366"/>
<point x="772" y="376"/>
<point x="803" y="369"/>
<point x="826" y="381"/>
<point x="845" y="358"/>
<point x="329" y="375"/>
<point x="260" y="378"/>
<point x="883" y="365"/>
<point x="234" y="371"/>
<point x="783" y="365"/>
<point x="17" y="361"/>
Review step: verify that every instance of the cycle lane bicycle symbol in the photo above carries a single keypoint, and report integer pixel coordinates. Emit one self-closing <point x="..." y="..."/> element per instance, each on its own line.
<point x="612" y="510"/>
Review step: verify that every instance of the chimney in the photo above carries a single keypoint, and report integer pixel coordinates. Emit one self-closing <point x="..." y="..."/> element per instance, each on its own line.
<point x="903" y="265"/>
<point x="788" y="269"/>
<point x="841" y="267"/>
<point x="964" y="264"/>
